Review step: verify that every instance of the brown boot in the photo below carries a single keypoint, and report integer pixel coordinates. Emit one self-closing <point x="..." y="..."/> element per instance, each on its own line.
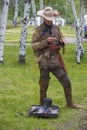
<point x="69" y="102"/>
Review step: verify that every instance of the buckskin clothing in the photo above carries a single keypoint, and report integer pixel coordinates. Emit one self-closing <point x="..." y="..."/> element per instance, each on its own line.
<point x="46" y="57"/>
<point x="50" y="60"/>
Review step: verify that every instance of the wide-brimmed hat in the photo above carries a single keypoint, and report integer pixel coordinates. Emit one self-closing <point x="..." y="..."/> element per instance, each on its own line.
<point x="48" y="13"/>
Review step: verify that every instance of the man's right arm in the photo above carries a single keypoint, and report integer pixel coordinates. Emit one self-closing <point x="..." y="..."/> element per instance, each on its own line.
<point x="38" y="44"/>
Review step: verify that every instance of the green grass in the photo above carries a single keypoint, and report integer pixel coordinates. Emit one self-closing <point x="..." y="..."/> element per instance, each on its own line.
<point x="68" y="32"/>
<point x="19" y="89"/>
<point x="13" y="34"/>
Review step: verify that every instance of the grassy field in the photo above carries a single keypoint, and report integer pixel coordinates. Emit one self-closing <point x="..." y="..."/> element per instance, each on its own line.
<point x="11" y="32"/>
<point x="19" y="89"/>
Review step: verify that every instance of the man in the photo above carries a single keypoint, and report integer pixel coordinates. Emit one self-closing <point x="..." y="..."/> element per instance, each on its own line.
<point x="46" y="43"/>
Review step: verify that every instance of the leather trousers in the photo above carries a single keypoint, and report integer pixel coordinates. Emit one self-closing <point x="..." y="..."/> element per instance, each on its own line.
<point x="62" y="77"/>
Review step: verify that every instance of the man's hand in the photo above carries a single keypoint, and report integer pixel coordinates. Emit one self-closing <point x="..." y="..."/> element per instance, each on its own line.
<point x="52" y="43"/>
<point x="51" y="40"/>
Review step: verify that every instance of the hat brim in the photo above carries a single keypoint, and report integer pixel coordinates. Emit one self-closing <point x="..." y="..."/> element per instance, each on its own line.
<point x="40" y="13"/>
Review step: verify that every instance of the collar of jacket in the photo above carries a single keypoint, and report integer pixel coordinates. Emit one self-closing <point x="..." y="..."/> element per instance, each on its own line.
<point x="47" y="28"/>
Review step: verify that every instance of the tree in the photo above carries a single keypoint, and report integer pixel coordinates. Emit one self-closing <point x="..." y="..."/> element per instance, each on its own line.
<point x="82" y="7"/>
<point x="34" y="12"/>
<point x="41" y="7"/>
<point x="3" y="27"/>
<point x="16" y="13"/>
<point x="22" y="51"/>
<point x="79" y="48"/>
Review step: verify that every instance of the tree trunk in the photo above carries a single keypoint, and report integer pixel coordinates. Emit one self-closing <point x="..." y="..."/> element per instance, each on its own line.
<point x="3" y="27"/>
<point x="82" y="17"/>
<point x="25" y="21"/>
<point x="79" y="49"/>
<point x="41" y="7"/>
<point x="34" y="13"/>
<point x="16" y="13"/>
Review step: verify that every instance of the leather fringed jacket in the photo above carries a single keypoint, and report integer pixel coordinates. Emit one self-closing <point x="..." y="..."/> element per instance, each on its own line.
<point x="47" y="58"/>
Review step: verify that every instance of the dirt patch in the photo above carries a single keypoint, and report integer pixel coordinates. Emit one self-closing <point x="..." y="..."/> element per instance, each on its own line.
<point x="78" y="123"/>
<point x="83" y="121"/>
<point x="73" y="40"/>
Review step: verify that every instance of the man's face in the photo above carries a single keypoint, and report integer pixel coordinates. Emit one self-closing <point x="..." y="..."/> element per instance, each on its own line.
<point x="48" y="22"/>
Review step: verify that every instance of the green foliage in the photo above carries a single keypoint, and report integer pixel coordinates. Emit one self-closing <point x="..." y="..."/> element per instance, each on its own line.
<point x="60" y="5"/>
